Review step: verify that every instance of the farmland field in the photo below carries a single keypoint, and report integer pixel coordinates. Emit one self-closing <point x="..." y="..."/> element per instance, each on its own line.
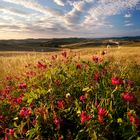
<point x="73" y="94"/>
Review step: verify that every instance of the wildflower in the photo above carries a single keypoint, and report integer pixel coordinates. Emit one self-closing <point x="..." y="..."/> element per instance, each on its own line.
<point x="24" y="130"/>
<point x="64" y="54"/>
<point x="128" y="97"/>
<point x="96" y="76"/>
<point x="7" y="130"/>
<point x="34" y="122"/>
<point x="6" y="137"/>
<point x="100" y="119"/>
<point x="19" y="100"/>
<point x="103" y="52"/>
<point x="130" y="83"/>
<point x="1" y="131"/>
<point x="104" y="72"/>
<point x="82" y="98"/>
<point x="58" y="82"/>
<point x="32" y="105"/>
<point x="22" y="85"/>
<point x="102" y="112"/>
<point x="61" y="104"/>
<point x="9" y="78"/>
<point x="24" y="112"/>
<point x="28" y="65"/>
<point x="134" y="119"/>
<point x="41" y="65"/>
<point x="54" y="57"/>
<point x="84" y="117"/>
<point x="96" y="59"/>
<point x="116" y="81"/>
<point x="31" y="74"/>
<point x="60" y="137"/>
<point x="79" y="66"/>
<point x="57" y="122"/>
<point x="1" y="117"/>
<point x="11" y="131"/>
<point x="7" y="90"/>
<point x="7" y="133"/>
<point x="129" y="114"/>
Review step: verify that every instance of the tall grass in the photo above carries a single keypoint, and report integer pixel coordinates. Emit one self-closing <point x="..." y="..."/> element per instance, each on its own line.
<point x="13" y="63"/>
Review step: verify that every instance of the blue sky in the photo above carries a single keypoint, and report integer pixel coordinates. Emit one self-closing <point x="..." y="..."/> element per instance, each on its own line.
<point x="69" y="18"/>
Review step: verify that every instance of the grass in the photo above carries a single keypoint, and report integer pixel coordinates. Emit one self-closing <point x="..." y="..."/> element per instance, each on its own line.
<point x="77" y="94"/>
<point x="13" y="63"/>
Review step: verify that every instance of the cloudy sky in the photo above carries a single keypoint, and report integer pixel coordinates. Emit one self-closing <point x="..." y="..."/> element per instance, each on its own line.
<point x="68" y="18"/>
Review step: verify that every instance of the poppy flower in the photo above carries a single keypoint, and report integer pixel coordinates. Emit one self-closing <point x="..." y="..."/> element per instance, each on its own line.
<point x="116" y="81"/>
<point x="84" y="117"/>
<point x="22" y="85"/>
<point x="82" y="98"/>
<point x="128" y="97"/>
<point x="61" y="104"/>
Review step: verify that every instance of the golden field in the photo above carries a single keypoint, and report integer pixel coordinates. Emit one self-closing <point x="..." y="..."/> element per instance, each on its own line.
<point x="13" y="63"/>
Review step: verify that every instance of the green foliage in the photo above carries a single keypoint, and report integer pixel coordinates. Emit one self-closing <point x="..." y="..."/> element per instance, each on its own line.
<point x="71" y="99"/>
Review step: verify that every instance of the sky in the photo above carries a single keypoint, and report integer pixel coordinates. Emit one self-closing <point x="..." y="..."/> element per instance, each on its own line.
<point x="20" y="19"/>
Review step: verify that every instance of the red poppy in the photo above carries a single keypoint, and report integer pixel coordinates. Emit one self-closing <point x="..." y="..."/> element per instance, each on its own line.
<point x="134" y="119"/>
<point x="64" y="54"/>
<point x="79" y="66"/>
<point x="84" y="117"/>
<point x="116" y="81"/>
<point x="128" y="97"/>
<point x="22" y="85"/>
<point x="82" y="98"/>
<point x="61" y="104"/>
<point x="24" y="112"/>
<point x="102" y="112"/>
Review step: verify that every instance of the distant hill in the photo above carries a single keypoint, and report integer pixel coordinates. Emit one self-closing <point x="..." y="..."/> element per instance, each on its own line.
<point x="57" y="43"/>
<point x="36" y="44"/>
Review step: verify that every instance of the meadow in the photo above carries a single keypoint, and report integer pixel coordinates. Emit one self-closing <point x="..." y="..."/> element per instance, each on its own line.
<point x="88" y="93"/>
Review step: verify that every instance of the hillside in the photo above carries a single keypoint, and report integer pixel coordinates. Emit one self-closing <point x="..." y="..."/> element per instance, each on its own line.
<point x="46" y="45"/>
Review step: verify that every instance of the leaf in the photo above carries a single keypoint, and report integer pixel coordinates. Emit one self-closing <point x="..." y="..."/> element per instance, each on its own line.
<point x="30" y="133"/>
<point x="15" y="124"/>
<point x="15" y="135"/>
<point x="110" y="107"/>
<point x="86" y="89"/>
<point x="94" y="136"/>
<point x="30" y="100"/>
<point x="101" y="102"/>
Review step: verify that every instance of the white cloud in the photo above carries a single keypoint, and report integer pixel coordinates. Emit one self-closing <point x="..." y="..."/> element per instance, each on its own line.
<point x="78" y="13"/>
<point x="127" y="15"/>
<point x="104" y="8"/>
<point x="34" y="5"/>
<point x="14" y="11"/>
<point x="69" y="17"/>
<point x="129" y="24"/>
<point x="60" y="2"/>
